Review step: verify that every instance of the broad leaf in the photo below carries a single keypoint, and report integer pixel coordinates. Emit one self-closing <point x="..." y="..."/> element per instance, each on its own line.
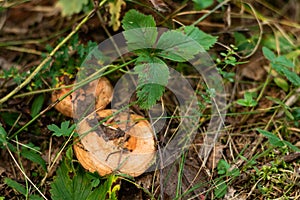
<point x="153" y="75"/>
<point x="140" y="31"/>
<point x="37" y="105"/>
<point x="34" y="157"/>
<point x="205" y="40"/>
<point x="177" y="47"/>
<point x="70" y="185"/>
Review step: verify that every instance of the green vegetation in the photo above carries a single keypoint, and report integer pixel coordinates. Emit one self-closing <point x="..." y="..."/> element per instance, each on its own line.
<point x="256" y="50"/>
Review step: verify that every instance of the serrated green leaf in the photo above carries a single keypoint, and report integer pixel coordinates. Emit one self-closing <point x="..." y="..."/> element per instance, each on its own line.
<point x="153" y="75"/>
<point x="37" y="105"/>
<point x="34" y="157"/>
<point x="177" y="47"/>
<point x="205" y="40"/>
<point x="140" y="31"/>
<point x="290" y="75"/>
<point x="282" y="60"/>
<point x="268" y="54"/>
<point x="79" y="186"/>
<point x="15" y="185"/>
<point x="134" y="19"/>
<point x="149" y="94"/>
<point x="71" y="7"/>
<point x="152" y="70"/>
<point x="3" y="135"/>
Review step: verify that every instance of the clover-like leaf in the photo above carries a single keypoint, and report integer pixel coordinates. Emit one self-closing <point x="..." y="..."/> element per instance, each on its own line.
<point x="64" y="130"/>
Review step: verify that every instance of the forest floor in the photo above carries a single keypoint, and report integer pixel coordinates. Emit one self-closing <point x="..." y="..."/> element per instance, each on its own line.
<point x="255" y="46"/>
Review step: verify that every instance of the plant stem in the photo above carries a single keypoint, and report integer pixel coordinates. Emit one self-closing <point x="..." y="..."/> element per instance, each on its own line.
<point x="47" y="59"/>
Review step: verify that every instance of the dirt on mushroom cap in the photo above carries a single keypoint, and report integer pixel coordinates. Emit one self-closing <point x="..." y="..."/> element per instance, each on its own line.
<point x="131" y="154"/>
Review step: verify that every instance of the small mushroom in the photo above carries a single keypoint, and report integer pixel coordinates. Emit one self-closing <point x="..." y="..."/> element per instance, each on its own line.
<point x="124" y="143"/>
<point x="99" y="91"/>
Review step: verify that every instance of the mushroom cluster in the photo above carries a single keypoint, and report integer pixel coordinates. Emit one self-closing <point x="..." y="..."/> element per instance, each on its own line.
<point x="110" y="140"/>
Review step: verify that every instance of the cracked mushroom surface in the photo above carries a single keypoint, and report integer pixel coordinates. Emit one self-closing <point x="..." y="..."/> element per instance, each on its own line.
<point x="99" y="92"/>
<point x="112" y="141"/>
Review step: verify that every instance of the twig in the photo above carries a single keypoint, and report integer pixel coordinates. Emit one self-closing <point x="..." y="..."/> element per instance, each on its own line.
<point x="17" y="164"/>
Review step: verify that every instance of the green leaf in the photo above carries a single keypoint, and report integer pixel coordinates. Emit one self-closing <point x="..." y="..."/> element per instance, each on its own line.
<point x="273" y="139"/>
<point x="80" y="185"/>
<point x="140" y="30"/>
<point x="69" y="153"/>
<point x="10" y="118"/>
<point x="293" y="147"/>
<point x="268" y="54"/>
<point x="34" y="157"/>
<point x="234" y="172"/>
<point x="15" y="185"/>
<point x="280" y="82"/>
<point x="153" y="75"/>
<point x="202" y="4"/>
<point x="205" y="40"/>
<point x="248" y="100"/>
<point x="71" y="7"/>
<point x="222" y="167"/>
<point x="220" y="189"/>
<point x="35" y="197"/>
<point x="37" y="105"/>
<point x="65" y="130"/>
<point x="290" y="75"/>
<point x="63" y="187"/>
<point x="134" y="19"/>
<point x="282" y="60"/>
<point x="149" y="94"/>
<point x="3" y="134"/>
<point x="177" y="47"/>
